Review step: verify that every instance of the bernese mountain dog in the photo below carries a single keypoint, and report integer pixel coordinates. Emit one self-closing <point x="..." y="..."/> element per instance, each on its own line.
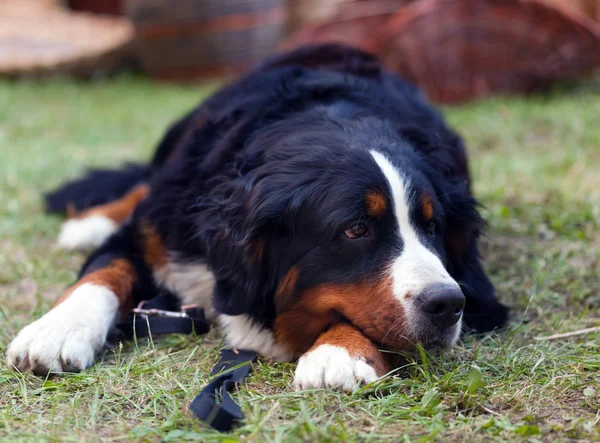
<point x="318" y="209"/>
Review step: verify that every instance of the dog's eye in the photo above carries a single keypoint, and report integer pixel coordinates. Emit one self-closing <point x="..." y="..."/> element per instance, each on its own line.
<point x="357" y="231"/>
<point x="431" y="229"/>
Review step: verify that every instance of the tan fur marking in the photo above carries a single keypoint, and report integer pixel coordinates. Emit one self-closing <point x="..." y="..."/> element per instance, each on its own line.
<point x="155" y="254"/>
<point x="285" y="291"/>
<point x="118" y="210"/>
<point x="119" y="276"/>
<point x="427" y="206"/>
<point x="356" y="344"/>
<point x="376" y="204"/>
<point x="256" y="250"/>
<point x="369" y="306"/>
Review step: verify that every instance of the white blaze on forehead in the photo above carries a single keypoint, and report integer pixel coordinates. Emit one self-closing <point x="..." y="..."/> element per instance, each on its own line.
<point x="417" y="267"/>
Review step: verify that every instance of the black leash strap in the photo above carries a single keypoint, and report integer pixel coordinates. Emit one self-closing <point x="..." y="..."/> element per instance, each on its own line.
<point x="161" y="321"/>
<point x="214" y="405"/>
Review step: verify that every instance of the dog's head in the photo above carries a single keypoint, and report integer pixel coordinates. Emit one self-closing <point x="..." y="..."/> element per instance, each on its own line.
<point x="348" y="224"/>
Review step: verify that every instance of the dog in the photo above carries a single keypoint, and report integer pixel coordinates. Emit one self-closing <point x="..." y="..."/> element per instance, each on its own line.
<point x="318" y="209"/>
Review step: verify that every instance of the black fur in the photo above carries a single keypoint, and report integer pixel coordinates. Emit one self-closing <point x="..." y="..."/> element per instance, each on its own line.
<point x="281" y="158"/>
<point x="96" y="187"/>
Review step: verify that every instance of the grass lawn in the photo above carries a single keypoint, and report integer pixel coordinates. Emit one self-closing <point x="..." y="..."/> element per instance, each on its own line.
<point x="536" y="166"/>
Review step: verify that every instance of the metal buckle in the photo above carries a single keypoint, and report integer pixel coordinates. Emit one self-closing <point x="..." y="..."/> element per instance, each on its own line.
<point x="145" y="313"/>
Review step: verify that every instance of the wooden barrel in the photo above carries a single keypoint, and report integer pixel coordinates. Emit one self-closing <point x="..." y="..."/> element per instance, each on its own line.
<point x="199" y="39"/>
<point x="113" y="7"/>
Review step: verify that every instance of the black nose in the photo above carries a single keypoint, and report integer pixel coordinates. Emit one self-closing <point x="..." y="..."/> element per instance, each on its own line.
<point x="443" y="305"/>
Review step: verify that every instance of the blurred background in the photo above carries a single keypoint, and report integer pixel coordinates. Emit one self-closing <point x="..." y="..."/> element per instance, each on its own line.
<point x="95" y="83"/>
<point x="456" y="50"/>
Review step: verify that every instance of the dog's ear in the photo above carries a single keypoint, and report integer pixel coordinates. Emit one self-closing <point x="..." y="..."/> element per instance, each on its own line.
<point x="246" y="251"/>
<point x="242" y="280"/>
<point x="483" y="312"/>
<point x="237" y="255"/>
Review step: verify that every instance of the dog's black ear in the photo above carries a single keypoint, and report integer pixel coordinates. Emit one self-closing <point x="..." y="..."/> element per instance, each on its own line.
<point x="242" y="282"/>
<point x="483" y="312"/>
<point x="245" y="252"/>
<point x="238" y="257"/>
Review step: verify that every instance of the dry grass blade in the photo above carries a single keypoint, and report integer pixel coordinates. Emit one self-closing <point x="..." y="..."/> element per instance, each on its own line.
<point x="570" y="334"/>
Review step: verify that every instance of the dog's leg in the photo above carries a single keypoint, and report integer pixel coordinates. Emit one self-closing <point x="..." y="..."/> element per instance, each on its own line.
<point x="340" y="358"/>
<point x="68" y="337"/>
<point x="92" y="227"/>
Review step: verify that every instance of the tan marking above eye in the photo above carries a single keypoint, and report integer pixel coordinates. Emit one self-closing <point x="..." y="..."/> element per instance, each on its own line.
<point x="376" y="204"/>
<point x="427" y="205"/>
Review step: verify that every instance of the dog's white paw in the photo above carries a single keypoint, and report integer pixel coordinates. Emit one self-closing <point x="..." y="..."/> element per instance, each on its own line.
<point x="68" y="337"/>
<point x="330" y="366"/>
<point x="86" y="233"/>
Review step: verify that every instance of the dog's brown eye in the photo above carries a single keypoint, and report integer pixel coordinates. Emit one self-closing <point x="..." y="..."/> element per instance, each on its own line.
<point x="431" y="229"/>
<point x="357" y="231"/>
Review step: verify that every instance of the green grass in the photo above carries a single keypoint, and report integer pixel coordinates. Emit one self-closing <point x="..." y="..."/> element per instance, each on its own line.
<point x="536" y="165"/>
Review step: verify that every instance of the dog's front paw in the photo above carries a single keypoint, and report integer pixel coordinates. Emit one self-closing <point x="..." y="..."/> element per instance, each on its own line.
<point x="68" y="337"/>
<point x="329" y="366"/>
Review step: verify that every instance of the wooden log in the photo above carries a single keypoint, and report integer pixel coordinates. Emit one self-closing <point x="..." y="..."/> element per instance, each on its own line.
<point x="40" y="38"/>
